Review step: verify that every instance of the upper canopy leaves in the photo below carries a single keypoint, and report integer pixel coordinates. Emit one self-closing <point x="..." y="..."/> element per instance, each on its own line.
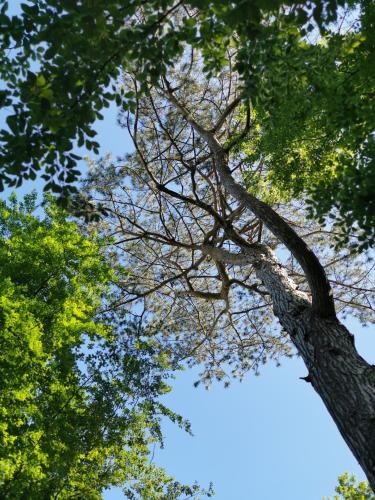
<point x="60" y="59"/>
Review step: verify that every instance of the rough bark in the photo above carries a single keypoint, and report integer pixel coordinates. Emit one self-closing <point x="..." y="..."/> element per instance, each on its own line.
<point x="342" y="378"/>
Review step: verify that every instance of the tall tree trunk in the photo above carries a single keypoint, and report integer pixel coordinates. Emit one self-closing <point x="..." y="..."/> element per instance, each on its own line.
<point x="342" y="378"/>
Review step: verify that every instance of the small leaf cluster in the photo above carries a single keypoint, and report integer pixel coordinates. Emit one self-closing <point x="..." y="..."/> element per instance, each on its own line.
<point x="349" y="489"/>
<point x="59" y="61"/>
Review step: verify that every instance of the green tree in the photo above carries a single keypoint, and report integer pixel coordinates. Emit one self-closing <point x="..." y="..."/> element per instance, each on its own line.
<point x="60" y="62"/>
<point x="79" y="388"/>
<point x="313" y="116"/>
<point x="349" y="489"/>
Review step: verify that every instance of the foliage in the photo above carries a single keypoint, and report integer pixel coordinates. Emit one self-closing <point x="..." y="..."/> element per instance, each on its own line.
<point x="314" y="129"/>
<point x="349" y="489"/>
<point x="60" y="62"/>
<point x="79" y="389"/>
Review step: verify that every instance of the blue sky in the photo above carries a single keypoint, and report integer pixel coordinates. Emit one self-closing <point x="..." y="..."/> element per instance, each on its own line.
<point x="267" y="438"/>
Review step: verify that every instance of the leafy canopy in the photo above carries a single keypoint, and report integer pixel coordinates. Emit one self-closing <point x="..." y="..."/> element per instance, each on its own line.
<point x="60" y="61"/>
<point x="313" y="123"/>
<point x="79" y="392"/>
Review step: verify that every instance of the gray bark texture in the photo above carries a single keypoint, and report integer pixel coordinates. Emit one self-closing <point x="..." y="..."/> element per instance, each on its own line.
<point x="342" y="378"/>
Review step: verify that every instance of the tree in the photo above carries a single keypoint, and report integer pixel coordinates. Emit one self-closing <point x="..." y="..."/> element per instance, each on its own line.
<point x="348" y="489"/>
<point x="200" y="247"/>
<point x="78" y="51"/>
<point x="79" y="388"/>
<point x="312" y="101"/>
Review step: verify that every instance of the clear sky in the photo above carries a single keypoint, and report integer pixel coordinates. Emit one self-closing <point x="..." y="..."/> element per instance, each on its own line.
<point x="267" y="438"/>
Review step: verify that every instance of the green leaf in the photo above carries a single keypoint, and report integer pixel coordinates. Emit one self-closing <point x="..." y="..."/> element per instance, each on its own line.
<point x="12" y="122"/>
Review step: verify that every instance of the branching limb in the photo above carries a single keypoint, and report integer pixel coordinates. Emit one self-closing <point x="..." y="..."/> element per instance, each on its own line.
<point x="322" y="296"/>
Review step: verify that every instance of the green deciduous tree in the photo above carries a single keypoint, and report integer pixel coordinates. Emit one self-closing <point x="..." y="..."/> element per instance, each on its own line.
<point x="314" y="111"/>
<point x="349" y="489"/>
<point x="79" y="405"/>
<point x="60" y="59"/>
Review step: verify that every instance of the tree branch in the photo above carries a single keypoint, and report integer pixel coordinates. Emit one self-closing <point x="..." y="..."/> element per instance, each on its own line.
<point x="225" y="113"/>
<point x="322" y="297"/>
